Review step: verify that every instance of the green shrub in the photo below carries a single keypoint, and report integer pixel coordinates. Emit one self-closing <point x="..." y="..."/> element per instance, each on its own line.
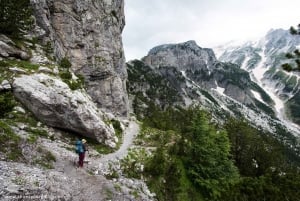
<point x="15" y="17"/>
<point x="37" y="132"/>
<point x="65" y="75"/>
<point x="9" y="143"/>
<point x="65" y="63"/>
<point x="117" y="126"/>
<point x="7" y="103"/>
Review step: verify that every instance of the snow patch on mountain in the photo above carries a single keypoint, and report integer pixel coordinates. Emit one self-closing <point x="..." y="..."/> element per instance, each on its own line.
<point x="245" y="63"/>
<point x="257" y="74"/>
<point x="258" y="97"/>
<point x="219" y="89"/>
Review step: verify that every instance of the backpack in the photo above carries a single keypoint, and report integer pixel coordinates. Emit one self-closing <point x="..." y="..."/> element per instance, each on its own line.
<point x="78" y="147"/>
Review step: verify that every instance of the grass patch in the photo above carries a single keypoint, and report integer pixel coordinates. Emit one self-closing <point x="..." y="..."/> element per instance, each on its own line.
<point x="37" y="132"/>
<point x="45" y="159"/>
<point x="21" y="64"/>
<point x="100" y="148"/>
<point x="9" y="143"/>
<point x="26" y="118"/>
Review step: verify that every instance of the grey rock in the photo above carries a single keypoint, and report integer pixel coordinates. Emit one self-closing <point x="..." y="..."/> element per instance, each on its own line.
<point x="52" y="102"/>
<point x="43" y="69"/>
<point x="17" y="70"/>
<point x="13" y="189"/>
<point x="19" y="109"/>
<point x="6" y="40"/>
<point x="5" y="85"/>
<point x="7" y="50"/>
<point x="88" y="33"/>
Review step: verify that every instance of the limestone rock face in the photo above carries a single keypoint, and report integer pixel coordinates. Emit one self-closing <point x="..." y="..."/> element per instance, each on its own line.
<point x="183" y="56"/>
<point x="9" y="49"/>
<point x="52" y="101"/>
<point x="201" y="66"/>
<point x="88" y="33"/>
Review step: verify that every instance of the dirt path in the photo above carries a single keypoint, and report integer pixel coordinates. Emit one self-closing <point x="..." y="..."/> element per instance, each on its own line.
<point x="129" y="135"/>
<point x="83" y="183"/>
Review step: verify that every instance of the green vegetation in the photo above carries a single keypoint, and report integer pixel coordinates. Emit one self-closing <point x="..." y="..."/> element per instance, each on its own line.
<point x="232" y="73"/>
<point x="65" y="63"/>
<point x="7" y="103"/>
<point x="268" y="171"/>
<point x="132" y="163"/>
<point x="187" y="157"/>
<point x="294" y="57"/>
<point x="66" y="75"/>
<point x="209" y="97"/>
<point x="293" y="108"/>
<point x="21" y="64"/>
<point x="15" y="17"/>
<point x="100" y="148"/>
<point x="45" y="158"/>
<point x="160" y="88"/>
<point x="117" y="126"/>
<point x="9" y="142"/>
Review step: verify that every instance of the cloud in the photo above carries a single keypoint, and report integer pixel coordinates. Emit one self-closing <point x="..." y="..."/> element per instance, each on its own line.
<point x="209" y="22"/>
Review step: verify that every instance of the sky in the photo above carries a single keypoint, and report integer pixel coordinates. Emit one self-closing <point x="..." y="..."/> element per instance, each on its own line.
<point x="209" y="22"/>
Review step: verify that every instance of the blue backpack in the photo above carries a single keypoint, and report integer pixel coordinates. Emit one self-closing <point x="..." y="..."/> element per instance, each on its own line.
<point x="79" y="147"/>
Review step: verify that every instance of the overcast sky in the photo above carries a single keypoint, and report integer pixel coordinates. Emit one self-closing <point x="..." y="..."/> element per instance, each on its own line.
<point x="208" y="22"/>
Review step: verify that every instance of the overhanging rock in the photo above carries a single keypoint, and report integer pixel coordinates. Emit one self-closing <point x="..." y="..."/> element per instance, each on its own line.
<point x="55" y="104"/>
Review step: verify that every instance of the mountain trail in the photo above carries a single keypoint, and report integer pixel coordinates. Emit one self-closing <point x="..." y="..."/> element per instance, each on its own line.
<point x="86" y="184"/>
<point x="131" y="131"/>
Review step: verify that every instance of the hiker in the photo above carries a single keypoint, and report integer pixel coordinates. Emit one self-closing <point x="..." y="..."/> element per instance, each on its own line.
<point x="80" y="150"/>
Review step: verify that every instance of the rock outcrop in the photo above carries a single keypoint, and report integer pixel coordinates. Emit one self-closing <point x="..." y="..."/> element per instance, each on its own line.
<point x="183" y="56"/>
<point x="8" y="49"/>
<point x="88" y="33"/>
<point x="54" y="103"/>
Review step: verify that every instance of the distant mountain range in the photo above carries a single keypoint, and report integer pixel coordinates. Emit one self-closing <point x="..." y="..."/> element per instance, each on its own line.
<point x="263" y="59"/>
<point x="245" y="81"/>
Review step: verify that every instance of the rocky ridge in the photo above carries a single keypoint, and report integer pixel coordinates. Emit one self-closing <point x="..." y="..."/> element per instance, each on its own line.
<point x="263" y="59"/>
<point x="200" y="67"/>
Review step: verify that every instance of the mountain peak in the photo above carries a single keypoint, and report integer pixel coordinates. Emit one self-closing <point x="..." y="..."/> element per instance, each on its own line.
<point x="183" y="56"/>
<point x="188" y="44"/>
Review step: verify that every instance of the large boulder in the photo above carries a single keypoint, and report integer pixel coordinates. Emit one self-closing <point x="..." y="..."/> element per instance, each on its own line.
<point x="55" y="104"/>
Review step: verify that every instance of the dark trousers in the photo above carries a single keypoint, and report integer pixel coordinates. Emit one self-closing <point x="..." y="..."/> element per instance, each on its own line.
<point x="81" y="159"/>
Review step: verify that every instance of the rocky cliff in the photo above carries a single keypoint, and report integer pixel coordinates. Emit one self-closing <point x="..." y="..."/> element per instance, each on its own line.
<point x="88" y="33"/>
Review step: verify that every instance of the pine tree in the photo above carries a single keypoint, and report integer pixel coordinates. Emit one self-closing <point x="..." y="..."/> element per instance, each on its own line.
<point x="208" y="159"/>
<point x="294" y="57"/>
